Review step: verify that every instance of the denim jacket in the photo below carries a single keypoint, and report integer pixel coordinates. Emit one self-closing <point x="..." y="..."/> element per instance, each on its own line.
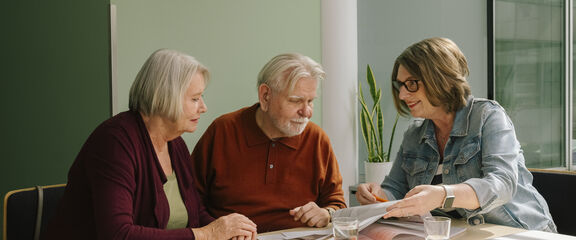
<point x="483" y="152"/>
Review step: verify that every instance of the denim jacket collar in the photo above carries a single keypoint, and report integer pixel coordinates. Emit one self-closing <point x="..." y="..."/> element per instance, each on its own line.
<point x="460" y="127"/>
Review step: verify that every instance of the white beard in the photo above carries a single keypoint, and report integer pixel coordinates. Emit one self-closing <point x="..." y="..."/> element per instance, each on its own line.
<point x="290" y="129"/>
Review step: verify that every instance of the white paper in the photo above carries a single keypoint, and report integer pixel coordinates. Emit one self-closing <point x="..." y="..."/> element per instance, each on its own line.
<point x="366" y="214"/>
<point x="533" y="235"/>
<point x="271" y="237"/>
<point x="300" y="234"/>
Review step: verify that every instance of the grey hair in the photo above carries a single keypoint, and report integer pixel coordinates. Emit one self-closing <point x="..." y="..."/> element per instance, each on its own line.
<point x="283" y="71"/>
<point x="161" y="83"/>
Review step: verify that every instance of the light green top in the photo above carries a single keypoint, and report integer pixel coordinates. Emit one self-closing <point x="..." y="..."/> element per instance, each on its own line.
<point x="178" y="213"/>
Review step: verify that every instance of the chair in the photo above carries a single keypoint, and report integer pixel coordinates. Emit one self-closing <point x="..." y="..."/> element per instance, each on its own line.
<point x="557" y="187"/>
<point x="25" y="217"/>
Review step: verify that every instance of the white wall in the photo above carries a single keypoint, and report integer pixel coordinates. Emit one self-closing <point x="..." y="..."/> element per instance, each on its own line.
<point x="386" y="28"/>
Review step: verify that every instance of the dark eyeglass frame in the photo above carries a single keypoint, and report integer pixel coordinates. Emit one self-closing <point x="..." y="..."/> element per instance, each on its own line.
<point x="410" y="85"/>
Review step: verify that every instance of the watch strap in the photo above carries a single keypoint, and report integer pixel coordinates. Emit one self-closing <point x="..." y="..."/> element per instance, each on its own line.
<point x="449" y="198"/>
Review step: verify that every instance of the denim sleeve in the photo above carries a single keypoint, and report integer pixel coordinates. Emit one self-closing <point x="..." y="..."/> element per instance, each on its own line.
<point x="395" y="185"/>
<point x="500" y="155"/>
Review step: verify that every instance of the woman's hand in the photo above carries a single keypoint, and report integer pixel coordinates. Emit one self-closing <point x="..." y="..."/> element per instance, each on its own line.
<point x="311" y="215"/>
<point x="232" y="226"/>
<point x="418" y="201"/>
<point x="366" y="192"/>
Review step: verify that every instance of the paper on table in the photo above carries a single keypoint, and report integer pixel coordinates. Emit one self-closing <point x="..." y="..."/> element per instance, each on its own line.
<point x="271" y="237"/>
<point x="304" y="234"/>
<point x="366" y="214"/>
<point x="300" y="234"/>
<point x="531" y="235"/>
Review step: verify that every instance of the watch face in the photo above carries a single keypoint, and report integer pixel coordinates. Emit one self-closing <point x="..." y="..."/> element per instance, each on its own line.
<point x="448" y="202"/>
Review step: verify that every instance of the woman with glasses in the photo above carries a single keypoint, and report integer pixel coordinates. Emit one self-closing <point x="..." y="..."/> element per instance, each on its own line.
<point x="459" y="156"/>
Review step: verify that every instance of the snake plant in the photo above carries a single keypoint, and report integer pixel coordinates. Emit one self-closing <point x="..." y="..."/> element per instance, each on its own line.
<point x="372" y="122"/>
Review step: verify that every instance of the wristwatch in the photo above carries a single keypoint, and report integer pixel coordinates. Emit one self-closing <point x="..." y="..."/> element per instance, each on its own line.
<point x="449" y="199"/>
<point x="330" y="211"/>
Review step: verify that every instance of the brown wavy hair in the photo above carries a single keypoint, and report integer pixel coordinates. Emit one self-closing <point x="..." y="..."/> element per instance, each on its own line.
<point x="442" y="70"/>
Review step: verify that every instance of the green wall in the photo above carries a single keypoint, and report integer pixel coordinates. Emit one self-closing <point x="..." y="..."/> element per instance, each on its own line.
<point x="55" y="86"/>
<point x="234" y="39"/>
<point x="55" y="78"/>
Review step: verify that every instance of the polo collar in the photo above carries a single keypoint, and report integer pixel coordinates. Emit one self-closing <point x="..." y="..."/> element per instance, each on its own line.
<point x="255" y="136"/>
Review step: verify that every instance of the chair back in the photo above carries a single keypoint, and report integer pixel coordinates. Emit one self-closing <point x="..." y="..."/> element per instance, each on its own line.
<point x="557" y="187"/>
<point x="27" y="211"/>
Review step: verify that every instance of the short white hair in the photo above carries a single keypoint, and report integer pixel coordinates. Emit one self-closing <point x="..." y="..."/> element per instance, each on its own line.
<point x="161" y="83"/>
<point x="283" y="71"/>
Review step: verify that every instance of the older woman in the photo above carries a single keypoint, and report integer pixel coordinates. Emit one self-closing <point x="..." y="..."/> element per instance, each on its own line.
<point x="460" y="154"/>
<point x="133" y="177"/>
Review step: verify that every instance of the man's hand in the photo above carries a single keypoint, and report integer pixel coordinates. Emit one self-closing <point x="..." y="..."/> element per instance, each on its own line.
<point x="311" y="215"/>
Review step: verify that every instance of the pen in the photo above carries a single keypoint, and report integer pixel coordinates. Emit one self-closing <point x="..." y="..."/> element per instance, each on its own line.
<point x="379" y="199"/>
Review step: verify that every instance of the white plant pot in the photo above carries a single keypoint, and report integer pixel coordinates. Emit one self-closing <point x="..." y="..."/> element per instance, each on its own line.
<point x="376" y="172"/>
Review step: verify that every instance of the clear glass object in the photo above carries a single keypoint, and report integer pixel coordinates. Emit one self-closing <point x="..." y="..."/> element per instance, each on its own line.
<point x="437" y="228"/>
<point x="345" y="228"/>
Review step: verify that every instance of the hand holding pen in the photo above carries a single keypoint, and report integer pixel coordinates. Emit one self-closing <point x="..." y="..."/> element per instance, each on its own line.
<point x="368" y="193"/>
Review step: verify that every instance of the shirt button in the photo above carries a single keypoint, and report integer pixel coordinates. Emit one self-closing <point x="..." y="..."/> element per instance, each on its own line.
<point x="446" y="171"/>
<point x="273" y="144"/>
<point x="271" y="166"/>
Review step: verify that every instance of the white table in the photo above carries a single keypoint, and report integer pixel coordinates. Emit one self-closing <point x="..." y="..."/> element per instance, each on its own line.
<point x="483" y="231"/>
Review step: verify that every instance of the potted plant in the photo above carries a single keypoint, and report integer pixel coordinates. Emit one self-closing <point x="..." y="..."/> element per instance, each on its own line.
<point x="378" y="164"/>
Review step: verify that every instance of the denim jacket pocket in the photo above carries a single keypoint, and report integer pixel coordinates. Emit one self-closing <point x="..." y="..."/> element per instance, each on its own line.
<point x="468" y="164"/>
<point x="415" y="167"/>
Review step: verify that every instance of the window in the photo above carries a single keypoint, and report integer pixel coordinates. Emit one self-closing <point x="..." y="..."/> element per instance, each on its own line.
<point x="530" y="76"/>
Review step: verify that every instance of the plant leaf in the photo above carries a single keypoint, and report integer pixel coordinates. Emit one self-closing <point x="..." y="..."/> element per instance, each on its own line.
<point x="380" y="120"/>
<point x="371" y="81"/>
<point x="368" y="130"/>
<point x="392" y="138"/>
<point x="364" y="121"/>
<point x="372" y="121"/>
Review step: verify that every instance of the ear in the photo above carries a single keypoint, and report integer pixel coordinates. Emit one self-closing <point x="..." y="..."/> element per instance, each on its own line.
<point x="264" y="93"/>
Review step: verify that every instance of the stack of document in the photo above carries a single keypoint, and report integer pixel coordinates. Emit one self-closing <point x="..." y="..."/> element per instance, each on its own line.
<point x="366" y="215"/>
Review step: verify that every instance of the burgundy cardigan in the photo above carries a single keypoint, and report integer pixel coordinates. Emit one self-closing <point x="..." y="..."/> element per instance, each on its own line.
<point x="115" y="187"/>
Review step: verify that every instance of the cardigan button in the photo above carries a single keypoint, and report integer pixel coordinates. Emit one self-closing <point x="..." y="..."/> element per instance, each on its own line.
<point x="271" y="166"/>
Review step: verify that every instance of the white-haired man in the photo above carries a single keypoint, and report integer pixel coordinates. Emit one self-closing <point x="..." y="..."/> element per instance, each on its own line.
<point x="268" y="161"/>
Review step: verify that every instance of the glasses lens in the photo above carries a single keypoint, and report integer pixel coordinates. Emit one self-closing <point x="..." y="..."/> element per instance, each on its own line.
<point x="411" y="85"/>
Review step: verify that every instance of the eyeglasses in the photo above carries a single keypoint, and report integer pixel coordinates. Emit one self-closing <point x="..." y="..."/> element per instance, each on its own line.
<point x="411" y="85"/>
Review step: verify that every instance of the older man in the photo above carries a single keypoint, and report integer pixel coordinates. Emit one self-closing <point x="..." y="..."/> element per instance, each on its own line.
<point x="268" y="161"/>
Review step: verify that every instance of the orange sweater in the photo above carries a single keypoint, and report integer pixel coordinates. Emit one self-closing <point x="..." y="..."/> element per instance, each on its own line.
<point x="239" y="169"/>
